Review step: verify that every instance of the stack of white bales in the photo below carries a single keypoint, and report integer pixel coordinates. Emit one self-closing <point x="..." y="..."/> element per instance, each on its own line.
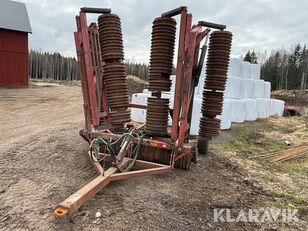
<point x="246" y="98"/>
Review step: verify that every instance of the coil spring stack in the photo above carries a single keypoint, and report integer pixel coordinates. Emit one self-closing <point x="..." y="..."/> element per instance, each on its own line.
<point x="111" y="44"/>
<point x="161" y="64"/>
<point x="216" y="76"/>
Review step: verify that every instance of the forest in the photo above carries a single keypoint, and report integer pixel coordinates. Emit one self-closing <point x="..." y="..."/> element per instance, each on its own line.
<point x="285" y="69"/>
<point x="47" y="65"/>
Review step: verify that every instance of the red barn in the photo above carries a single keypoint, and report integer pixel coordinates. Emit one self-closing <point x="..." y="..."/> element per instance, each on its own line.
<point x="14" y="29"/>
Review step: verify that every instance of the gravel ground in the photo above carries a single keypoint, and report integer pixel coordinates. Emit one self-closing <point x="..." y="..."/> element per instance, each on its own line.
<point x="42" y="161"/>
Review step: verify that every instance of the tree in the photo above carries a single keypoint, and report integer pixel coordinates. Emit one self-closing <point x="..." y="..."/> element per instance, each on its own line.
<point x="247" y="57"/>
<point x="286" y="69"/>
<point x="46" y="65"/>
<point x="253" y="57"/>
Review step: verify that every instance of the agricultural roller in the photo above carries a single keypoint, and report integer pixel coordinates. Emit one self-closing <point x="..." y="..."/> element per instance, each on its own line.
<point x="119" y="148"/>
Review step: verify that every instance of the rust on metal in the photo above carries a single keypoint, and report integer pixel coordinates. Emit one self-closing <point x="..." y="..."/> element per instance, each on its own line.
<point x="157" y="116"/>
<point x="162" y="52"/>
<point x="108" y="73"/>
<point x="73" y="203"/>
<point x="209" y="127"/>
<point x="110" y="35"/>
<point x="119" y="117"/>
<point x="215" y="81"/>
<point x="160" y="69"/>
<point x="111" y="44"/>
<point x="212" y="103"/>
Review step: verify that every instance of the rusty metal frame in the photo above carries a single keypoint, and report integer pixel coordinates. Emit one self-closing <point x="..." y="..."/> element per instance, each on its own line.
<point x="96" y="108"/>
<point x="186" y="148"/>
<point x="190" y="37"/>
<point x="73" y="202"/>
<point x="85" y="46"/>
<point x="179" y="76"/>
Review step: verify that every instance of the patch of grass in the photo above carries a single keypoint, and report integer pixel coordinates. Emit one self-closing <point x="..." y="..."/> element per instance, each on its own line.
<point x="286" y="181"/>
<point x="245" y="148"/>
<point x="294" y="167"/>
<point x="251" y="140"/>
<point x="220" y="148"/>
<point x="285" y="128"/>
<point x="291" y="198"/>
<point x="269" y="177"/>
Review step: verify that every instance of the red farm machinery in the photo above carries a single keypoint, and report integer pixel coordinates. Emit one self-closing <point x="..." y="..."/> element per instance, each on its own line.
<point x="121" y="149"/>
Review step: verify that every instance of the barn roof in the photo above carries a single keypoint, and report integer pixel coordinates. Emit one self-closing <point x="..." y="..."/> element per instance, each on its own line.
<point x="14" y="16"/>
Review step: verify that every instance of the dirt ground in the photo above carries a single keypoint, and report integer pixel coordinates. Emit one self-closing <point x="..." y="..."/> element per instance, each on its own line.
<point x="43" y="161"/>
<point x="292" y="97"/>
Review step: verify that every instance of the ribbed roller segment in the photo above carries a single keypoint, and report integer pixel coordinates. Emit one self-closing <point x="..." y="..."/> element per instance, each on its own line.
<point x="209" y="127"/>
<point x="157" y="116"/>
<point x="115" y="82"/>
<point x="215" y="81"/>
<point x="162" y="51"/>
<point x="114" y="75"/>
<point x="110" y="36"/>
<point x="160" y="69"/>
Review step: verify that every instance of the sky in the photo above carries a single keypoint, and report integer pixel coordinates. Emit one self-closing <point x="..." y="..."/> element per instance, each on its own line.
<point x="256" y="24"/>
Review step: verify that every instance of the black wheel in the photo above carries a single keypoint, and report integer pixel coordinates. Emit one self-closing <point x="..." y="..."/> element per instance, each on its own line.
<point x="203" y="146"/>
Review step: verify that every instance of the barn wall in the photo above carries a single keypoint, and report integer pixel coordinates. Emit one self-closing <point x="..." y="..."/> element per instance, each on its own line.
<point x="13" y="58"/>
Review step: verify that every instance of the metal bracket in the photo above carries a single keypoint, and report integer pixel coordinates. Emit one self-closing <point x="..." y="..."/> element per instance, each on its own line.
<point x="94" y="10"/>
<point x="212" y="25"/>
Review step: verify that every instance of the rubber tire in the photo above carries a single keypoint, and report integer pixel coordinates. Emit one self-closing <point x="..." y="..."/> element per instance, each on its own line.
<point x="203" y="146"/>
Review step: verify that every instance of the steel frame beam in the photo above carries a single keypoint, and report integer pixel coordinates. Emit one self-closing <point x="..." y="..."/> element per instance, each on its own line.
<point x="84" y="36"/>
<point x="73" y="203"/>
<point x="188" y="53"/>
<point x="178" y="94"/>
<point x="186" y="148"/>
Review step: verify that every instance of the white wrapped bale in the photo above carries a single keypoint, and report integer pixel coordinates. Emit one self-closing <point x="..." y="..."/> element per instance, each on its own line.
<point x="172" y="77"/>
<point x="255" y="71"/>
<point x="173" y="81"/>
<point x="247" y="88"/>
<point x="196" y="116"/>
<point x="199" y="88"/>
<point x="137" y="114"/>
<point x="267" y="90"/>
<point x="251" y="112"/>
<point x="245" y="70"/>
<point x="235" y="66"/>
<point x="263" y="106"/>
<point x="277" y="107"/>
<point x="233" y="88"/>
<point x="225" y="117"/>
<point x="238" y="108"/>
<point x="259" y="89"/>
<point x="170" y="96"/>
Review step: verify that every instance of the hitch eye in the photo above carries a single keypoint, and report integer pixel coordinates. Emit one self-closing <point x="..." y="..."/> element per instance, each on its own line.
<point x="60" y="212"/>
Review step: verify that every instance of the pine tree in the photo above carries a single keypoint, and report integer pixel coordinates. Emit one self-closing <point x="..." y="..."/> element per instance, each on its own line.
<point x="253" y="57"/>
<point x="247" y="57"/>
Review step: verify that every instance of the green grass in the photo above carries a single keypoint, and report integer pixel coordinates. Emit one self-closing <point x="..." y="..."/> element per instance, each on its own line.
<point x="295" y="200"/>
<point x="251" y="140"/>
<point x="269" y="177"/>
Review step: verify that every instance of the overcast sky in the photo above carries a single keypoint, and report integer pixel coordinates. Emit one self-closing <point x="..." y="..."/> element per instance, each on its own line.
<point x="255" y="24"/>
